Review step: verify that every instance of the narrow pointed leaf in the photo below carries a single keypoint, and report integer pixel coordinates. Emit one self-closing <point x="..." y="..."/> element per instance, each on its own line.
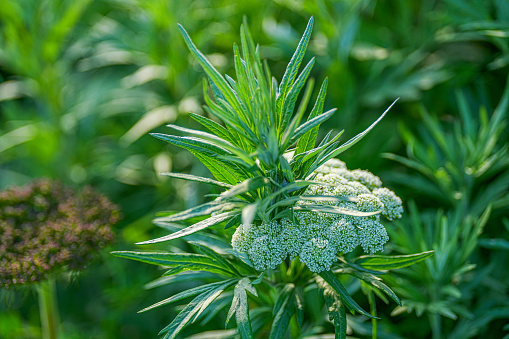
<point x="308" y="139"/>
<point x="291" y="99"/>
<point x="285" y="311"/>
<point x="377" y="283"/>
<point x="189" y="312"/>
<point x="310" y="124"/>
<point x="355" y="139"/>
<point x="183" y="295"/>
<point x="384" y="262"/>
<point x="343" y="294"/>
<point x="201" y="210"/>
<point x="294" y="64"/>
<point x="213" y="74"/>
<point x="214" y="220"/>
<point x="333" y="209"/>
<point x="191" y="177"/>
<point x="214" y="127"/>
<point x="245" y="186"/>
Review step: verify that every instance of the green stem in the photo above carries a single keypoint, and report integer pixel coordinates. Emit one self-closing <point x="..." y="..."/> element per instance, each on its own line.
<point x="341" y="325"/>
<point x="48" y="308"/>
<point x="372" y="305"/>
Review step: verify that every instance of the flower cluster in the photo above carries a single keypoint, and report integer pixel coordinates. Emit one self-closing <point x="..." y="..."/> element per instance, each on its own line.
<point x="317" y="237"/>
<point x="45" y="227"/>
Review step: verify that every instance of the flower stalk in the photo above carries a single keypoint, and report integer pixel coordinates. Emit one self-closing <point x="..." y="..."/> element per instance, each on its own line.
<point x="48" y="308"/>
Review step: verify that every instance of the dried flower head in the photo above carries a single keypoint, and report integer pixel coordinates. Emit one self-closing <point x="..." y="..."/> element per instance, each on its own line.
<point x="45" y="227"/>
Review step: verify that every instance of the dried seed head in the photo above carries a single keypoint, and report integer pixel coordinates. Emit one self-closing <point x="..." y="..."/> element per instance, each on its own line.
<point x="45" y="227"/>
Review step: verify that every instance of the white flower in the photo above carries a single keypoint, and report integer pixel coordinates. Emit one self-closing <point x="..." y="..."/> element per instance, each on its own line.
<point x="372" y="236"/>
<point x="317" y="237"/>
<point x="366" y="178"/>
<point x="292" y="238"/>
<point x="369" y="203"/>
<point x="266" y="253"/>
<point x="318" y="254"/>
<point x="393" y="206"/>
<point x="343" y="235"/>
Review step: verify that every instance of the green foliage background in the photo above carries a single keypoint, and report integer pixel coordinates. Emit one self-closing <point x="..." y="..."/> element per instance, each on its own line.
<point x="83" y="82"/>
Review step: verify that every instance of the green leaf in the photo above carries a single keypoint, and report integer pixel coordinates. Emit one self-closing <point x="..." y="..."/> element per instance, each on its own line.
<point x="249" y="213"/>
<point x="291" y="99"/>
<point x="240" y="308"/>
<point x="213" y="241"/>
<point x="214" y="220"/>
<point x="381" y="262"/>
<point x="318" y="198"/>
<point x="234" y="221"/>
<point x="209" y="154"/>
<point x="193" y="144"/>
<point x="167" y="259"/>
<point x="375" y="282"/>
<point x="293" y="66"/>
<point x="225" y="263"/>
<point x="245" y="186"/>
<point x="283" y="312"/>
<point x="310" y="124"/>
<point x="343" y="294"/>
<point x="194" y="307"/>
<point x="333" y="209"/>
<point x="494" y="244"/>
<point x="214" y="127"/>
<point x="337" y="315"/>
<point x="215" y="77"/>
<point x="211" y="139"/>
<point x="340" y="326"/>
<point x="191" y="177"/>
<point x="291" y="187"/>
<point x="355" y="139"/>
<point x="186" y="294"/>
<point x="200" y="210"/>
<point x="308" y="139"/>
<point x="198" y="267"/>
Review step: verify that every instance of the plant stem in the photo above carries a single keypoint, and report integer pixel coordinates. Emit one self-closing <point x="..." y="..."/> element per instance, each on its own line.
<point x="372" y="305"/>
<point x="48" y="308"/>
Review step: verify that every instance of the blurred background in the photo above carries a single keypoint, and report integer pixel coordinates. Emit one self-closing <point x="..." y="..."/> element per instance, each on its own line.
<point x="83" y="82"/>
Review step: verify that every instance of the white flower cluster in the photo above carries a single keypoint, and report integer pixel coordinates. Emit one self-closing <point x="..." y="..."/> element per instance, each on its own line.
<point x="317" y="237"/>
<point x="268" y="244"/>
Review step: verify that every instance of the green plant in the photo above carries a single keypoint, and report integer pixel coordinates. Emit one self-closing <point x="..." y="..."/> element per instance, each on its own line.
<point x="460" y="176"/>
<point x="297" y="209"/>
